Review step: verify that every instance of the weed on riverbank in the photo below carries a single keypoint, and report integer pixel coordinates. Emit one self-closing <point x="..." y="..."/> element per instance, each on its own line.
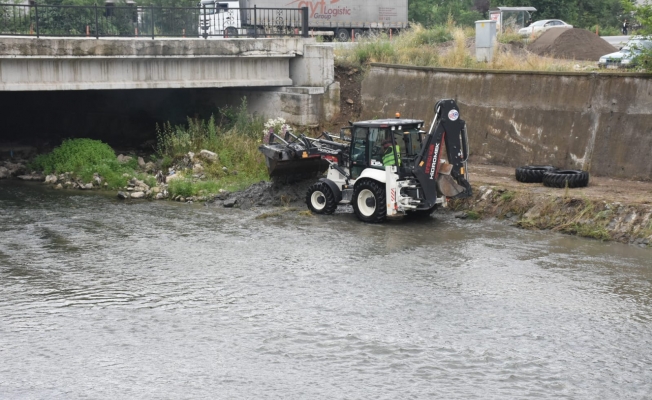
<point x="234" y="137"/>
<point x="446" y="46"/>
<point x="565" y="213"/>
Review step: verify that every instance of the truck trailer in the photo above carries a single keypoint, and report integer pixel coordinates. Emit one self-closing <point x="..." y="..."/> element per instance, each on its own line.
<point x="339" y="18"/>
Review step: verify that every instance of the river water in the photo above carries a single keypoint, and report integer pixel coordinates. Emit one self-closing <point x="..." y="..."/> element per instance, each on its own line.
<point x="107" y="299"/>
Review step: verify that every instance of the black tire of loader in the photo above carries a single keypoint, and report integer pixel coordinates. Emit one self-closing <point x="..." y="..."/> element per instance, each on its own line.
<point x="533" y="173"/>
<point x="378" y="190"/>
<point x="329" y="198"/>
<point x="563" y="178"/>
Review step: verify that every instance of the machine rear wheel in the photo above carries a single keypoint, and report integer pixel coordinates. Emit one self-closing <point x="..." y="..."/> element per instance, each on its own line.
<point x="320" y="199"/>
<point x="369" y="201"/>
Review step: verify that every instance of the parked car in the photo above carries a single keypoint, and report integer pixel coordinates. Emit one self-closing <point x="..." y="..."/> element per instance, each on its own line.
<point x="542" y="26"/>
<point x="626" y="56"/>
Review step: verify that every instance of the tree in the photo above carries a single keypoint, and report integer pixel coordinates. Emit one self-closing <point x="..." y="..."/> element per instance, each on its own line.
<point x="579" y="13"/>
<point x="437" y="12"/>
<point x="642" y="15"/>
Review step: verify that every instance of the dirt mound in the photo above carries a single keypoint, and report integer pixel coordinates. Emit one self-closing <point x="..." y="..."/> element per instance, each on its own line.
<point x="266" y="194"/>
<point x="571" y="44"/>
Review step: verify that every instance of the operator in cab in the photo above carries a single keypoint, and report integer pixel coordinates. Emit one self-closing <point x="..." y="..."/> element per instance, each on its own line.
<point x="388" y="154"/>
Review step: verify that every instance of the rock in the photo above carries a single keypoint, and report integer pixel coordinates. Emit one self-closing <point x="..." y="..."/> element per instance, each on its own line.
<point x="349" y="101"/>
<point x="150" y="167"/>
<point x="230" y="203"/>
<point x="182" y="199"/>
<point x="156" y="189"/>
<point x="32" y="177"/>
<point x="141" y="162"/>
<point x="208" y="155"/>
<point x="51" y="179"/>
<point x="123" y="195"/>
<point x="159" y="196"/>
<point x="58" y="187"/>
<point x="123" y="159"/>
<point x="130" y="189"/>
<point x="197" y="168"/>
<point x="98" y="181"/>
<point x="88" y="186"/>
<point x="173" y="177"/>
<point x="225" y="169"/>
<point x="462" y="215"/>
<point x="138" y="195"/>
<point x="4" y="173"/>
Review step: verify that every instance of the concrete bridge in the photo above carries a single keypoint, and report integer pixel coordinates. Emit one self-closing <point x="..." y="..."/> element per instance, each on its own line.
<point x="287" y="77"/>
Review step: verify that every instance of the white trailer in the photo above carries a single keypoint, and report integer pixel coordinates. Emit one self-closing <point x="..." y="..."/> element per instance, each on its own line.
<point x="341" y="18"/>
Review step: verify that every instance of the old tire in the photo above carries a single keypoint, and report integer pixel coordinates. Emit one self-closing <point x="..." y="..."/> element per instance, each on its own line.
<point x="342" y="35"/>
<point x="566" y="178"/>
<point x="369" y="201"/>
<point x="533" y="173"/>
<point x="320" y="199"/>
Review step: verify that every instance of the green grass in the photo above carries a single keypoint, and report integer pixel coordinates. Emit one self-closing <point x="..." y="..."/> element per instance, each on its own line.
<point x="86" y="157"/>
<point x="73" y="155"/>
<point x="234" y="135"/>
<point x="443" y="46"/>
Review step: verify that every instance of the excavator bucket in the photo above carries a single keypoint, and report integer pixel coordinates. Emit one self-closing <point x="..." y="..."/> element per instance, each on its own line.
<point x="288" y="162"/>
<point x="299" y="157"/>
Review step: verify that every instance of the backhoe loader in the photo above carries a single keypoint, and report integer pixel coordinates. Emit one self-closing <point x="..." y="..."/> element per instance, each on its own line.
<point x="384" y="168"/>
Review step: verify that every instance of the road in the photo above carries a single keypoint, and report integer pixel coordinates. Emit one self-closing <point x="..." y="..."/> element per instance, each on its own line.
<point x="616" y="41"/>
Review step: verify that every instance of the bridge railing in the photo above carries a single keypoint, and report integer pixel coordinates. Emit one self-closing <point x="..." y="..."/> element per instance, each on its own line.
<point x="135" y="21"/>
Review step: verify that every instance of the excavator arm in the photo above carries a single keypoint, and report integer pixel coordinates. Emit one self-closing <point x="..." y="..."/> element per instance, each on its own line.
<point x="449" y="179"/>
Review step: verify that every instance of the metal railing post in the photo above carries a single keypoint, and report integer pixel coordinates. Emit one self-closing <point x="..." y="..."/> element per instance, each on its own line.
<point x="304" y="22"/>
<point x="255" y="23"/>
<point x="97" y="26"/>
<point x="205" y="27"/>
<point x="152" y="16"/>
<point x="36" y="12"/>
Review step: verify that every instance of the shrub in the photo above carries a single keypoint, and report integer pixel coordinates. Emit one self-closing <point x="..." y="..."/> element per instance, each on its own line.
<point x="74" y="155"/>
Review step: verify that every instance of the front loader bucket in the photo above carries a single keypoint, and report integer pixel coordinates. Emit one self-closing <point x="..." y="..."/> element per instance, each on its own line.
<point x="291" y="163"/>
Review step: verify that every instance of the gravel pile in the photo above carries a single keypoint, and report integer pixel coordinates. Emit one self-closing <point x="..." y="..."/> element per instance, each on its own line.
<point x="571" y="44"/>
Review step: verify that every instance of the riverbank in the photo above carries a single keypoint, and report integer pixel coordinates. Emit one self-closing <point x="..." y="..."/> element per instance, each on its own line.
<point x="608" y="209"/>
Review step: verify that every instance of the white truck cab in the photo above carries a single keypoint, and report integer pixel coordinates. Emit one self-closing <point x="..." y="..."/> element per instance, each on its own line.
<point x="220" y="19"/>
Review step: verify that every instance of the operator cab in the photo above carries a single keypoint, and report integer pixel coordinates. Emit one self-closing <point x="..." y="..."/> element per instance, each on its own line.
<point x="377" y="143"/>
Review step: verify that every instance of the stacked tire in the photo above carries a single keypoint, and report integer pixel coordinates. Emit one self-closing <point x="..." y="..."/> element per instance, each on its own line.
<point x="552" y="177"/>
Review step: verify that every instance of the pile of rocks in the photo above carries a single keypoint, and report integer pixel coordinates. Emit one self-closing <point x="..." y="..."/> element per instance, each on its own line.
<point x="13" y="168"/>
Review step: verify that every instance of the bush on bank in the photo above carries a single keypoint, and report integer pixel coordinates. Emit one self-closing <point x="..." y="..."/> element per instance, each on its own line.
<point x="234" y="136"/>
<point x="84" y="158"/>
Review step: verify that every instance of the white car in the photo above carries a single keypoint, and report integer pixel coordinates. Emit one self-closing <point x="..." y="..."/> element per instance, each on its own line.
<point x="626" y="57"/>
<point x="542" y="26"/>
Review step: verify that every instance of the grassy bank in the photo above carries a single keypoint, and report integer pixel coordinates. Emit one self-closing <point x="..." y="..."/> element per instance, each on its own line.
<point x="446" y="46"/>
<point x="565" y="212"/>
<point x="232" y="135"/>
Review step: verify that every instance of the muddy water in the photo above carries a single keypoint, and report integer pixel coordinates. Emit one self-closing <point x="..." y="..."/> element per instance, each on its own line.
<point x="106" y="299"/>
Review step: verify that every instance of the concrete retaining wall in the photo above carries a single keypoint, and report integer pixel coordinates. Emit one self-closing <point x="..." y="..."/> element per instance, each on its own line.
<point x="597" y="122"/>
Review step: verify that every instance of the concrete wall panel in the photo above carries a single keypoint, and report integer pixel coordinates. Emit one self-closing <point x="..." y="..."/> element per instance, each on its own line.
<point x="597" y="122"/>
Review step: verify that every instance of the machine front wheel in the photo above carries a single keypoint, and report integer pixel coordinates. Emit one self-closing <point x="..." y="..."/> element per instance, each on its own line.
<point x="369" y="201"/>
<point x="320" y="199"/>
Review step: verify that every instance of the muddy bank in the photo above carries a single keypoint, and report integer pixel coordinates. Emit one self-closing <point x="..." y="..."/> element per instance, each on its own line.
<point x="265" y="194"/>
<point x="609" y="209"/>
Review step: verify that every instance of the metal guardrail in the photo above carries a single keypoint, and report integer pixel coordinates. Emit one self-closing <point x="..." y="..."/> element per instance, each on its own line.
<point x="150" y="22"/>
